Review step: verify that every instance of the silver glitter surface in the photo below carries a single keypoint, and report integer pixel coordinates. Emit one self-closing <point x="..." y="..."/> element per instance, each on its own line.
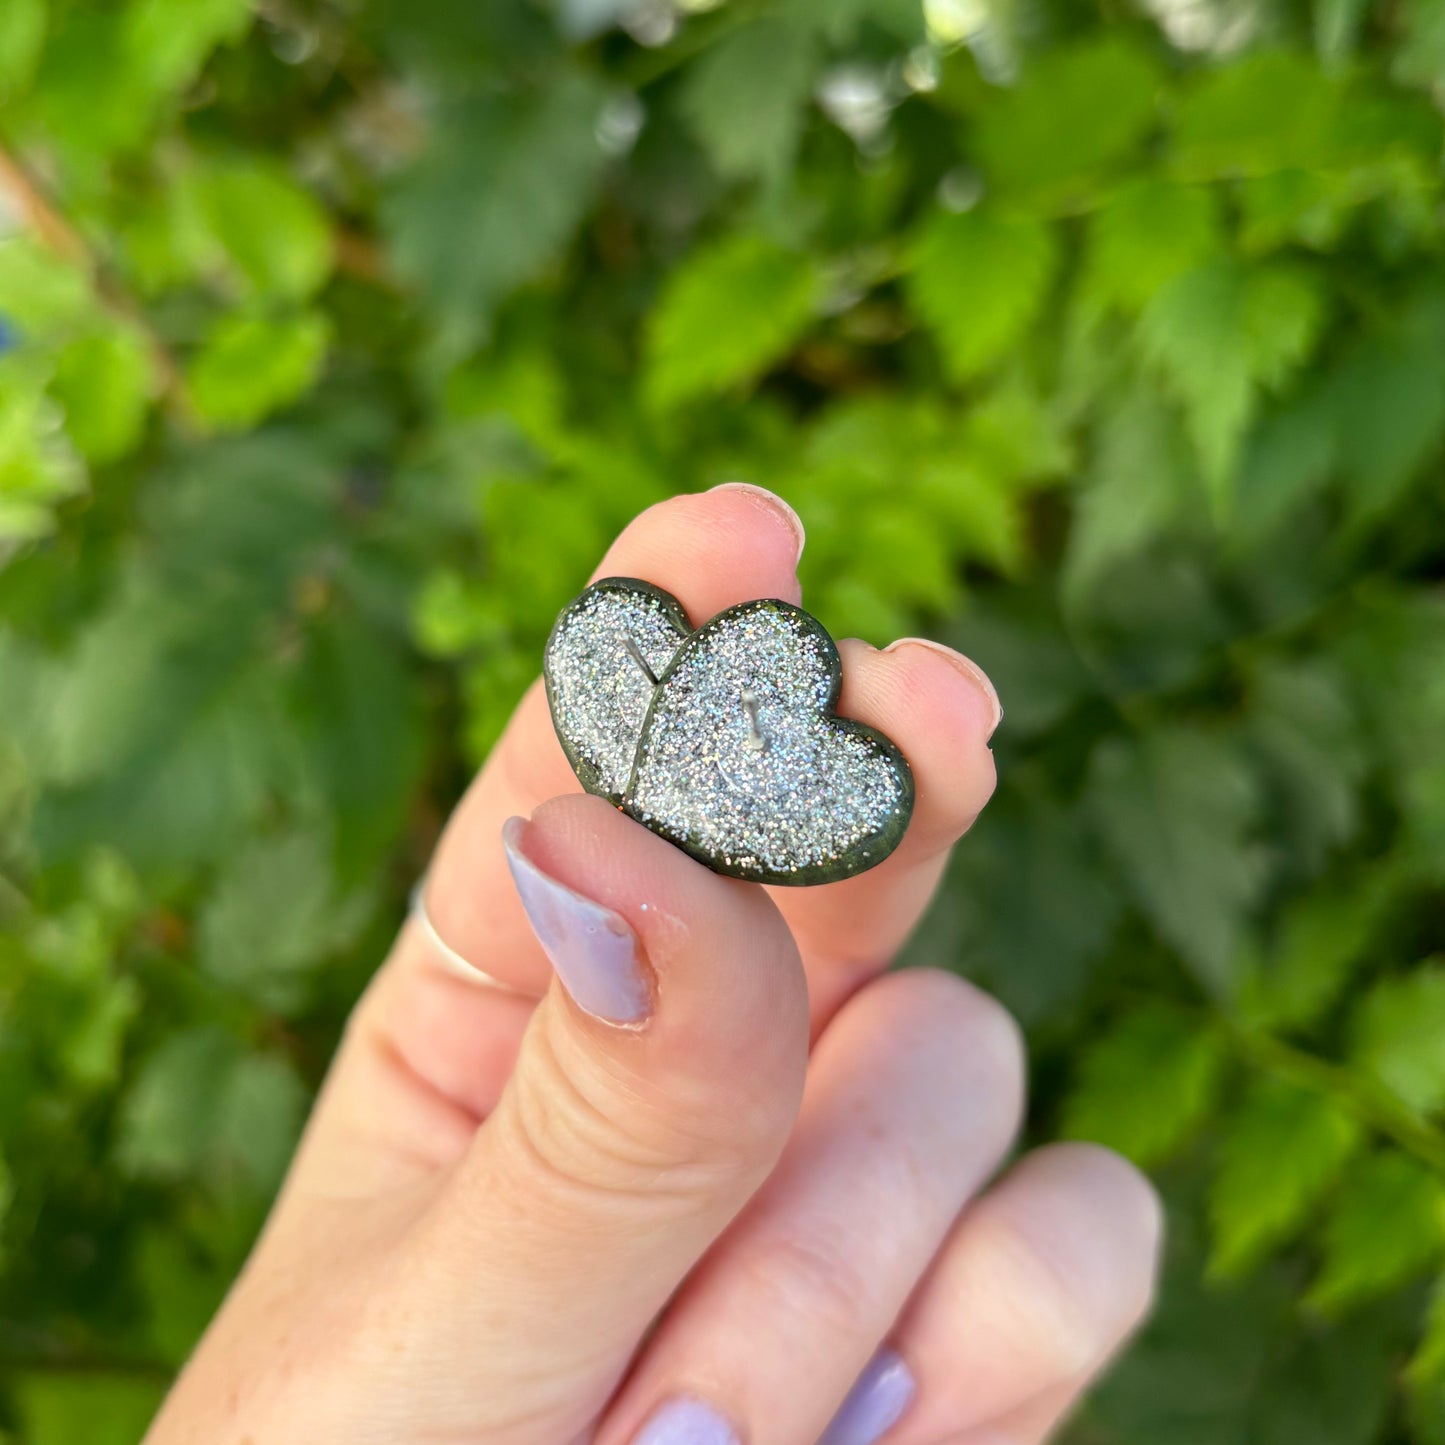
<point x="599" y="692"/>
<point x="743" y="761"/>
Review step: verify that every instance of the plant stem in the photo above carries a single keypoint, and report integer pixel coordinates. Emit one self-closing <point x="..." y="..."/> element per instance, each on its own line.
<point x="45" y="218"/>
<point x="1371" y="1105"/>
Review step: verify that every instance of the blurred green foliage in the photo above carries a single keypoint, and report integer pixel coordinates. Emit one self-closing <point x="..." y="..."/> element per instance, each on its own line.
<point x="1104" y="340"/>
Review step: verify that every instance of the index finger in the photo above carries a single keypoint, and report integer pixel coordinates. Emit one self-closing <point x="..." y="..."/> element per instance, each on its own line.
<point x="710" y="550"/>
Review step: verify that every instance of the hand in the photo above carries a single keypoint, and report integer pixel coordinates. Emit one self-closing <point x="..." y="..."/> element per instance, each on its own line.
<point x="705" y="1179"/>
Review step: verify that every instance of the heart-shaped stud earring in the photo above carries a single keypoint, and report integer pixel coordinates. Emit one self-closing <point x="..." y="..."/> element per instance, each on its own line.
<point x="724" y="740"/>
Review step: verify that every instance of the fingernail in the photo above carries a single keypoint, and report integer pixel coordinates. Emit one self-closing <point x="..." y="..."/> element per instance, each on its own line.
<point x="775" y="505"/>
<point x="686" y="1422"/>
<point x="875" y="1404"/>
<point x="968" y="667"/>
<point x="592" y="949"/>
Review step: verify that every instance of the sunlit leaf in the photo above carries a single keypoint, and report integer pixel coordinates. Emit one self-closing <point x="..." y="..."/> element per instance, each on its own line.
<point x="1077" y="111"/>
<point x="1386" y="1226"/>
<point x="251" y="365"/>
<point x="1282" y="1149"/>
<point x="1142" y="1088"/>
<point x="104" y="382"/>
<point x="979" y="280"/>
<point x="726" y="316"/>
<point x="1398" y="1029"/>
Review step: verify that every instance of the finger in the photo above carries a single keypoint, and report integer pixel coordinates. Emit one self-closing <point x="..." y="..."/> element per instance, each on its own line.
<point x="711" y="551"/>
<point x="426" y="1055"/>
<point x="653" y="1092"/>
<point x="1042" y="1280"/>
<point x="941" y="710"/>
<point x="913" y="1096"/>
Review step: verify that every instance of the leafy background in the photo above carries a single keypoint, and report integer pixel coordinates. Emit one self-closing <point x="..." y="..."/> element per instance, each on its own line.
<point x="1103" y="338"/>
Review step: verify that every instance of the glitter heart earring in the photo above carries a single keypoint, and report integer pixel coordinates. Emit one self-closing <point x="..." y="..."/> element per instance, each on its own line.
<point x="724" y="740"/>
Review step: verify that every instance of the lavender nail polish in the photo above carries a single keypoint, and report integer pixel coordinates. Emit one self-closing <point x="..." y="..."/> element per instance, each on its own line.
<point x="592" y="949"/>
<point x="875" y="1404"/>
<point x="686" y="1422"/>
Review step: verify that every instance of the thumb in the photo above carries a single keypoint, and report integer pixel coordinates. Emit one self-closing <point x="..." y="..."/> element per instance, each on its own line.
<point x="654" y="1090"/>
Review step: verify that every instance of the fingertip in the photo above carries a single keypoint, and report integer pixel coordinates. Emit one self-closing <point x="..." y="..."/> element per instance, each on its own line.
<point x="982" y="704"/>
<point x="773" y="507"/>
<point x="1096" y="1222"/>
<point x="941" y="719"/>
<point x="713" y="549"/>
<point x="1117" y="1195"/>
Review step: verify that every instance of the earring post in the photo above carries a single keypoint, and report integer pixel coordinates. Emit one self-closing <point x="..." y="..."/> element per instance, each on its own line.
<point x="635" y="653"/>
<point x="757" y="741"/>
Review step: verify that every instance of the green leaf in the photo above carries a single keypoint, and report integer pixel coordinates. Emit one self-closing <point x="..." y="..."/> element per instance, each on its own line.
<point x="1036" y="960"/>
<point x="182" y="1281"/>
<point x="1234" y="1363"/>
<point x="1388" y="400"/>
<point x="1321" y="939"/>
<point x="38" y="290"/>
<point x="277" y="236"/>
<point x="495" y="198"/>
<point x="262" y="1110"/>
<point x="182" y="798"/>
<point x="108" y="71"/>
<point x="273" y="920"/>
<point x="1398" y="1029"/>
<point x="1426" y="1370"/>
<point x="1287" y="461"/>
<point x="1141" y="485"/>
<point x="203" y="1108"/>
<point x="1283" y="1148"/>
<point x="171" y="39"/>
<point x="1147" y="1084"/>
<point x="727" y="315"/>
<point x="1024" y="647"/>
<point x="747" y="97"/>
<point x="840" y="21"/>
<point x="359" y="714"/>
<point x="1150" y="232"/>
<point x="1221" y="334"/>
<point x="979" y="280"/>
<point x="1311" y="208"/>
<point x="22" y="33"/>
<point x="1387" y="1226"/>
<point x="101" y="1409"/>
<point x="1421" y="56"/>
<point x="251" y="366"/>
<point x="1269" y="110"/>
<point x="1076" y="112"/>
<point x="1337" y="26"/>
<point x="1177" y="808"/>
<point x="1304" y="726"/>
<point x="7" y="1198"/>
<point x="104" y="381"/>
<point x="38" y="468"/>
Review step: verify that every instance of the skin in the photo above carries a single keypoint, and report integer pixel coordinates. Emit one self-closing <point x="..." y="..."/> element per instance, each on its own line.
<point x="512" y="1222"/>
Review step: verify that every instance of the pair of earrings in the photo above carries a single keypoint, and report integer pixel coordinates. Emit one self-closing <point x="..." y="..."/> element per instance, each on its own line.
<point x="724" y="739"/>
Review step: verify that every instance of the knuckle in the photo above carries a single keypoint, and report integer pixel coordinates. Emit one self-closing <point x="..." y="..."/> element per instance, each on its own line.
<point x="585" y="1131"/>
<point x="813" y="1279"/>
<point x="1047" y="1314"/>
